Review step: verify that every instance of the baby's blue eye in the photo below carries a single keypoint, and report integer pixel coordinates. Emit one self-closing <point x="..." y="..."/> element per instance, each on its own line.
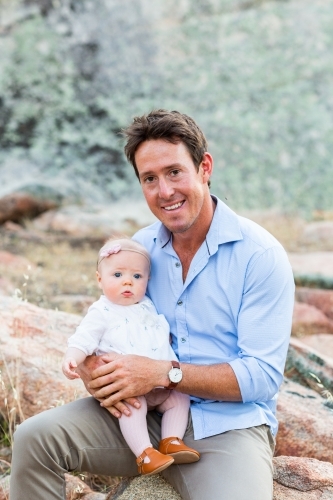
<point x="117" y="275"/>
<point x="137" y="276"/>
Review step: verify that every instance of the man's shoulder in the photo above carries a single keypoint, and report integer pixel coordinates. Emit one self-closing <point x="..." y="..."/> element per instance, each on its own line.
<point x="256" y="236"/>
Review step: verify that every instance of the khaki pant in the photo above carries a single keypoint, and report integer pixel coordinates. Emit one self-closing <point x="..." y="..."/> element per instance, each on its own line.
<point x="82" y="436"/>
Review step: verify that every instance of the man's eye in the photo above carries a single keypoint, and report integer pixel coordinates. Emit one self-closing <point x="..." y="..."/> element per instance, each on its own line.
<point x="149" y="179"/>
<point x="174" y="172"/>
<point x="137" y="276"/>
<point x="117" y="275"/>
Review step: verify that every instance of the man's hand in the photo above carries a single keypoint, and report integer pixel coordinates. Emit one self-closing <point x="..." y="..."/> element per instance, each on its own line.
<point x="123" y="377"/>
<point x="85" y="370"/>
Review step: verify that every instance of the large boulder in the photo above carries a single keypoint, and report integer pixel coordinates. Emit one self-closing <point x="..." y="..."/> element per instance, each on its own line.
<point x="307" y="319"/>
<point x="306" y="366"/>
<point x="305" y="423"/>
<point x="17" y="261"/>
<point x="76" y="489"/>
<point x="27" y="203"/>
<point x="320" y="342"/>
<point x="312" y="269"/>
<point x="321" y="299"/>
<point x="302" y="479"/>
<point x="97" y="221"/>
<point x="33" y="341"/>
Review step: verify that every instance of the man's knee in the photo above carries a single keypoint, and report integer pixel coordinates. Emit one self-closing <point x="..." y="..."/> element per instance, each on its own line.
<point x="35" y="434"/>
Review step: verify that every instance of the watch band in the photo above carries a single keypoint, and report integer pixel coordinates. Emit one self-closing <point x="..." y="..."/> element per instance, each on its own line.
<point x="172" y="385"/>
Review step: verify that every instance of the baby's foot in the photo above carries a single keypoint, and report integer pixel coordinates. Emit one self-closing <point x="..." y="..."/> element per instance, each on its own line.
<point x="152" y="461"/>
<point x="177" y="449"/>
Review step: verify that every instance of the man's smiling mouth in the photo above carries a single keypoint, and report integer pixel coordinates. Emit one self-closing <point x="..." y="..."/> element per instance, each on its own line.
<point x="173" y="207"/>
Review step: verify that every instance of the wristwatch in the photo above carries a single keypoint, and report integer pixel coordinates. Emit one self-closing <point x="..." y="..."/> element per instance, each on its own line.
<point x="175" y="375"/>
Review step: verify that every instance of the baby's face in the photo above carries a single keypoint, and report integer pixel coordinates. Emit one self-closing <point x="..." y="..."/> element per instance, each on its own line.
<point x="123" y="277"/>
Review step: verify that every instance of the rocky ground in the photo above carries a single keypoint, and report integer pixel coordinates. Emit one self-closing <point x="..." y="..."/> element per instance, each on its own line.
<point x="50" y="260"/>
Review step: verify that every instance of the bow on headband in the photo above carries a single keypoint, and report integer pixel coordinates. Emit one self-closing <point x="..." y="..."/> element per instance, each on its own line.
<point x="104" y="254"/>
<point x="109" y="251"/>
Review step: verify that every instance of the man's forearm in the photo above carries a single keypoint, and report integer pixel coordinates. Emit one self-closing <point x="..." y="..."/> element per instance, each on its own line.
<point x="131" y="375"/>
<point x="210" y="382"/>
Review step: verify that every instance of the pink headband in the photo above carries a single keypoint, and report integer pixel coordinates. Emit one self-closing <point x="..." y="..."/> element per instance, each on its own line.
<point x="104" y="254"/>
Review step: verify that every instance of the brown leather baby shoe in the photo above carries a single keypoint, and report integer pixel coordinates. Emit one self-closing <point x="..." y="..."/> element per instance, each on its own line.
<point x="180" y="452"/>
<point x="158" y="462"/>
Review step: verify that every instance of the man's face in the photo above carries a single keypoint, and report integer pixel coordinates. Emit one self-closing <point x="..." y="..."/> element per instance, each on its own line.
<point x="175" y="191"/>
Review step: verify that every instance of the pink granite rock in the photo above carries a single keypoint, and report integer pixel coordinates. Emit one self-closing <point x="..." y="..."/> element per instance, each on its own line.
<point x="308" y="319"/>
<point x="16" y="261"/>
<point x="21" y="205"/>
<point x="305" y="423"/>
<point x="321" y="299"/>
<point x="33" y="341"/>
<point x="306" y="365"/>
<point x="320" y="342"/>
<point x="302" y="479"/>
<point x="320" y="263"/>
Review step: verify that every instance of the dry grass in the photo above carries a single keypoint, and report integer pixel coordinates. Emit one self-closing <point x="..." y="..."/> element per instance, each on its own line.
<point x="57" y="268"/>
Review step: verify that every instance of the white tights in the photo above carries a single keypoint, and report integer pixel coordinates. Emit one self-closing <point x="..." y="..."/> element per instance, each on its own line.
<point x="174" y="421"/>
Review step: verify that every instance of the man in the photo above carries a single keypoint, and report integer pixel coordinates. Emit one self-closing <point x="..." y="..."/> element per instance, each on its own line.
<point x="226" y="288"/>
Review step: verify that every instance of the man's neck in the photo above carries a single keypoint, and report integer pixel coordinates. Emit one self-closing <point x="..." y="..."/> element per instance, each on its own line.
<point x="188" y="243"/>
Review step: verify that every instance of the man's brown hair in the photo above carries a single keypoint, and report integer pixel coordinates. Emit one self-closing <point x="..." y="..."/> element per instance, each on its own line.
<point x="170" y="126"/>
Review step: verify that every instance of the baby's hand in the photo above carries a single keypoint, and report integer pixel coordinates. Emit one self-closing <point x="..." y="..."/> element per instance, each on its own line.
<point x="69" y="366"/>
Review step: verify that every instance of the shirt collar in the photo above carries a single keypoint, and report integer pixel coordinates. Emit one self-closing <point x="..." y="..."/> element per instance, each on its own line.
<point x="224" y="228"/>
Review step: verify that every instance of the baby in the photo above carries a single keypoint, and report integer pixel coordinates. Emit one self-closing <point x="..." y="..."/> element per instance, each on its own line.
<point x="124" y="320"/>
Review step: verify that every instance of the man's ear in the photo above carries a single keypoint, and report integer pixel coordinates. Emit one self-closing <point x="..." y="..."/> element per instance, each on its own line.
<point x="98" y="276"/>
<point x="206" y="166"/>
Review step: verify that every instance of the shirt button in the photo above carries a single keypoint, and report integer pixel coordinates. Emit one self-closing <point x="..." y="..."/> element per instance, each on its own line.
<point x="183" y="339"/>
<point x="177" y="264"/>
<point x="179" y="302"/>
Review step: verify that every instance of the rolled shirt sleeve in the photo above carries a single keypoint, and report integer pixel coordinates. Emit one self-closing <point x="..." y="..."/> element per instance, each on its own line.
<point x="264" y="325"/>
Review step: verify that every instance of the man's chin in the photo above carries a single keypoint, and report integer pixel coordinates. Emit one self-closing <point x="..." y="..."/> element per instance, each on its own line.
<point x="177" y="228"/>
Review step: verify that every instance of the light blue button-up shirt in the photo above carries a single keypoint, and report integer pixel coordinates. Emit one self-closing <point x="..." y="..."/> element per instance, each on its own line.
<point x="235" y="307"/>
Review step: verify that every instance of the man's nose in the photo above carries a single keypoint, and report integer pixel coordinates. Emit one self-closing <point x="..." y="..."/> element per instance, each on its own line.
<point x="165" y="189"/>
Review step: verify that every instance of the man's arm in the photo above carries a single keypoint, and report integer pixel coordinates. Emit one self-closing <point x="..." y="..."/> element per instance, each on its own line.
<point x="127" y="376"/>
<point x="263" y="326"/>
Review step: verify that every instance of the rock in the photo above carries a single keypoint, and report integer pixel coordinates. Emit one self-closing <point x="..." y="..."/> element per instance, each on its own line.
<point x="321" y="299"/>
<point x="102" y="221"/>
<point x="308" y="319"/>
<point x="76" y="489"/>
<point x="16" y="261"/>
<point x="26" y="204"/>
<point x="318" y="234"/>
<point x="321" y="342"/>
<point x="302" y="479"/>
<point x="33" y="341"/>
<point x="4" y="488"/>
<point x="6" y="287"/>
<point x="312" y="269"/>
<point x="303" y="360"/>
<point x="13" y="227"/>
<point x="149" y="487"/>
<point x="305" y="423"/>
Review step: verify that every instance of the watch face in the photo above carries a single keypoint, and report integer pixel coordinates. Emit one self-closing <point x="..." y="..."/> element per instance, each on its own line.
<point x="175" y="375"/>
